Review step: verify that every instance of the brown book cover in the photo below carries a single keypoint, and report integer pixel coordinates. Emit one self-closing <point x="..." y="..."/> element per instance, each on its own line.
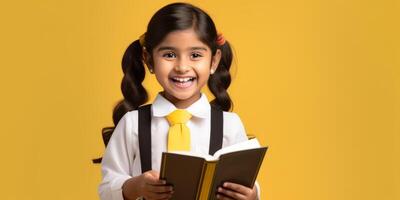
<point x="239" y="167"/>
<point x="184" y="173"/>
<point x="195" y="177"/>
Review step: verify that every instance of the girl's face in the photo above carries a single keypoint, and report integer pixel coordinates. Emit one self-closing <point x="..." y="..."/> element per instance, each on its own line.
<point x="182" y="65"/>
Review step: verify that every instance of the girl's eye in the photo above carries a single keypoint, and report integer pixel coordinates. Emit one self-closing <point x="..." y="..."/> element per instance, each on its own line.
<point x="169" y="55"/>
<point x="196" y="55"/>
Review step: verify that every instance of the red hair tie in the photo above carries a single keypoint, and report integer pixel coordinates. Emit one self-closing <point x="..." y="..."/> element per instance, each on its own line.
<point x="220" y="39"/>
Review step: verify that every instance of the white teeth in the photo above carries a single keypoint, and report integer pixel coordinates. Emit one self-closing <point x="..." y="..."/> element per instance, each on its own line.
<point x="182" y="79"/>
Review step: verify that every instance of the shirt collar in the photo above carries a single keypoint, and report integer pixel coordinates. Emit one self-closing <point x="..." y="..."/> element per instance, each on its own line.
<point x="161" y="107"/>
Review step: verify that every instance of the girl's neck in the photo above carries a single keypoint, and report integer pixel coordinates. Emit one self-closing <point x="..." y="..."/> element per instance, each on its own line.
<point x="181" y="104"/>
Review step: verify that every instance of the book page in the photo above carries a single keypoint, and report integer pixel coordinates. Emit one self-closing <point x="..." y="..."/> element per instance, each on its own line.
<point x="195" y="154"/>
<point x="248" y="144"/>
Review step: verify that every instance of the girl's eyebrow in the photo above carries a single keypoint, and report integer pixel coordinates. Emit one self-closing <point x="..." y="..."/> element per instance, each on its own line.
<point x="199" y="48"/>
<point x="173" y="48"/>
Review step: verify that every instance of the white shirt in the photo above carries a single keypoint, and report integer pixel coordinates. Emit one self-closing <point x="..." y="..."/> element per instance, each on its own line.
<point x="121" y="159"/>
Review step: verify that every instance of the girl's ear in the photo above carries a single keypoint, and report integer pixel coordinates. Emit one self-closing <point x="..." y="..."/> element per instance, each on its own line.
<point x="215" y="61"/>
<point x="147" y="60"/>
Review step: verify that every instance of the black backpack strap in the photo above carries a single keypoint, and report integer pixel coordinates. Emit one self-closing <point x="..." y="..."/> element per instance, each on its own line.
<point x="145" y="136"/>
<point x="144" y="130"/>
<point x="217" y="123"/>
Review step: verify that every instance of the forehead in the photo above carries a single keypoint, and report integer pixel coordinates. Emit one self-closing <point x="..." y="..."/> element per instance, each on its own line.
<point x="182" y="39"/>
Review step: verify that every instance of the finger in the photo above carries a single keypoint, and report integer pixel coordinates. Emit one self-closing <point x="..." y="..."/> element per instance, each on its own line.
<point x="158" y="196"/>
<point x="231" y="193"/>
<point x="159" y="189"/>
<point x="153" y="180"/>
<point x="156" y="182"/>
<point x="154" y="173"/>
<point x="223" y="197"/>
<point x="238" y="188"/>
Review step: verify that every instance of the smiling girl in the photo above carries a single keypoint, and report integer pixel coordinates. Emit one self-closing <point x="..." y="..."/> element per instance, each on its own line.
<point x="182" y="49"/>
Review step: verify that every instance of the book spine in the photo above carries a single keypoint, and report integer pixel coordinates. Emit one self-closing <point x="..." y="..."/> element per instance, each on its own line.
<point x="203" y="169"/>
<point x="207" y="180"/>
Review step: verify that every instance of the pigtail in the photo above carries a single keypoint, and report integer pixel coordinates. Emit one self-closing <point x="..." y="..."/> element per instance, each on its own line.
<point x="219" y="82"/>
<point x="132" y="89"/>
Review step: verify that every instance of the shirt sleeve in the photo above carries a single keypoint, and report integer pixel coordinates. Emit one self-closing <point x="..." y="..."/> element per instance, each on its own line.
<point x="115" y="165"/>
<point x="258" y="190"/>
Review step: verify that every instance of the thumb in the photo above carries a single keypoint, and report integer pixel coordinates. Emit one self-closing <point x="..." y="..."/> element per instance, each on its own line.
<point x="154" y="174"/>
<point x="153" y="178"/>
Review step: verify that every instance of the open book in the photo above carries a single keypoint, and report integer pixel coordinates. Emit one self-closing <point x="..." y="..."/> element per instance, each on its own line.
<point x="196" y="176"/>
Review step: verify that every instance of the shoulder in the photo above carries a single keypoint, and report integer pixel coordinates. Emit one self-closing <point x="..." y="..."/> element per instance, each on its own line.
<point x="231" y="117"/>
<point x="128" y="122"/>
<point x="234" y="130"/>
<point x="129" y="116"/>
<point x="232" y="122"/>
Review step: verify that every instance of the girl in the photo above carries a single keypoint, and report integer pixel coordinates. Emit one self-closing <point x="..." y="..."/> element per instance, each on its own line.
<point x="182" y="49"/>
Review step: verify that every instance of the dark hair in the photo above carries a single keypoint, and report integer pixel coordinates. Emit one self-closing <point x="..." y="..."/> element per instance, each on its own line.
<point x="173" y="17"/>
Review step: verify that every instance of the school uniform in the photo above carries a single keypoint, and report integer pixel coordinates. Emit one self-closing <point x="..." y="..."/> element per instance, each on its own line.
<point x="121" y="159"/>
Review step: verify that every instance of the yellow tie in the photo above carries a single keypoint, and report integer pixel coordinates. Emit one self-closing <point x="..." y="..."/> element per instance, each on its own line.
<point x="178" y="133"/>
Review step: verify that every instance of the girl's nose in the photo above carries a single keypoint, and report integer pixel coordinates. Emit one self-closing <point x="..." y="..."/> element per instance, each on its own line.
<point x="182" y="68"/>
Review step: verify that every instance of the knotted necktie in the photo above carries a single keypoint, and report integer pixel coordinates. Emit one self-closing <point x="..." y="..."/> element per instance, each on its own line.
<point x="178" y="133"/>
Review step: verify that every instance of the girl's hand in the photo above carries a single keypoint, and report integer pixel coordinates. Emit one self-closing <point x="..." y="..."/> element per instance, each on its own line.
<point x="237" y="192"/>
<point x="146" y="185"/>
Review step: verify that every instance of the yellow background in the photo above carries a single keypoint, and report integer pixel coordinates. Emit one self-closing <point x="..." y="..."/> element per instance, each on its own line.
<point x="317" y="81"/>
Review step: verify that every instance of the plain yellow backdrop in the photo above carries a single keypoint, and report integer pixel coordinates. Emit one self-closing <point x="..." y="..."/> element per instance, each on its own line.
<point x="316" y="81"/>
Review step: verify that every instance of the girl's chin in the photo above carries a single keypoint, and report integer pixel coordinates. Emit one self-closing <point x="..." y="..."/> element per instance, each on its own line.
<point x="184" y="96"/>
<point x="181" y="96"/>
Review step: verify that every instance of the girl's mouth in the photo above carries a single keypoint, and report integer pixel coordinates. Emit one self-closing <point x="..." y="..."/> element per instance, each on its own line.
<point x="183" y="82"/>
